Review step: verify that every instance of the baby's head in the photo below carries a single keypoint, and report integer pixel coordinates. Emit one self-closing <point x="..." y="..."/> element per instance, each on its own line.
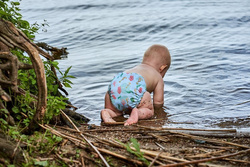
<point x="159" y="57"/>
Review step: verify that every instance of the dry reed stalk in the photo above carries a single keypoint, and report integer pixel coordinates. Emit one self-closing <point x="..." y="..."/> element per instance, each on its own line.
<point x="64" y="142"/>
<point x="207" y="159"/>
<point x="44" y="159"/>
<point x="17" y="146"/>
<point x="152" y="159"/>
<point x="113" y="130"/>
<point x="71" y="135"/>
<point x="188" y="129"/>
<point x="66" y="160"/>
<point x="120" y="156"/>
<point x="209" y="140"/>
<point x="105" y="141"/>
<point x="55" y="132"/>
<point x="151" y="120"/>
<point x="96" y="150"/>
<point x="112" y="123"/>
<point x="236" y="160"/>
<point x="160" y="138"/>
<point x="82" y="161"/>
<point x="205" y="155"/>
<point x="163" y="155"/>
<point x="156" y="157"/>
<point x="87" y="157"/>
<point x="62" y="135"/>
<point x="164" y="149"/>
<point x="68" y="129"/>
<point x="165" y="161"/>
<point x="76" y="141"/>
<point x="243" y="102"/>
<point x="219" y="147"/>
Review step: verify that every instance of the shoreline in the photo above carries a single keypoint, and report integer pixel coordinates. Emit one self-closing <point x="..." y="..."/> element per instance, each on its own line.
<point x="167" y="147"/>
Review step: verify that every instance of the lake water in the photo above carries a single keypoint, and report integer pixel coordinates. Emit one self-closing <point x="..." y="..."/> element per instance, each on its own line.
<point x="208" y="83"/>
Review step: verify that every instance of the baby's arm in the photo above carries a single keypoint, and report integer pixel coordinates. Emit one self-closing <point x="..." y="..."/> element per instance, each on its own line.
<point x="158" y="95"/>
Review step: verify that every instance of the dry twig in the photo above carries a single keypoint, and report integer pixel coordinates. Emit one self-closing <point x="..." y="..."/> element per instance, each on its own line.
<point x="96" y="150"/>
<point x="207" y="159"/>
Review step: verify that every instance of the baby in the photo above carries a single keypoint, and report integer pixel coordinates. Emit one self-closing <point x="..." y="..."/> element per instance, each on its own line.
<point x="130" y="90"/>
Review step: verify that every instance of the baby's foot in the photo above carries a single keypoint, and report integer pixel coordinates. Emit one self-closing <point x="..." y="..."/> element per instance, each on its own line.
<point x="106" y="116"/>
<point x="133" y="117"/>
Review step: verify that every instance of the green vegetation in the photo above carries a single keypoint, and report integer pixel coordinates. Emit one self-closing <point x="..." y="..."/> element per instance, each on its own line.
<point x="10" y="11"/>
<point x="23" y="107"/>
<point x="134" y="148"/>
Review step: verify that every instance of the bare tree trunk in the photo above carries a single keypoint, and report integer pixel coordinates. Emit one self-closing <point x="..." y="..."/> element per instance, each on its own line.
<point x="11" y="37"/>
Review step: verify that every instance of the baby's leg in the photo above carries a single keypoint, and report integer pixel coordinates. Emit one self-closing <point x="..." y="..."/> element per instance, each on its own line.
<point x="107" y="115"/>
<point x="144" y="110"/>
<point x="110" y="111"/>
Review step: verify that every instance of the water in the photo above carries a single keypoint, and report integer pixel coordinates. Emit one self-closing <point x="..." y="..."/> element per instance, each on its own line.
<point x="208" y="40"/>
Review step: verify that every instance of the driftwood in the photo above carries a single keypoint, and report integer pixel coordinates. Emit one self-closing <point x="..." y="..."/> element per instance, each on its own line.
<point x="11" y="37"/>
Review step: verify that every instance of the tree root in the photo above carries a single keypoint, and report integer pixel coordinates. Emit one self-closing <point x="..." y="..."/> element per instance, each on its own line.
<point x="11" y="38"/>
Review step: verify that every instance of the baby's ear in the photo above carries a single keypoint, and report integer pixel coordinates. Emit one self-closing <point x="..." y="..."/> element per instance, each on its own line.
<point x="163" y="67"/>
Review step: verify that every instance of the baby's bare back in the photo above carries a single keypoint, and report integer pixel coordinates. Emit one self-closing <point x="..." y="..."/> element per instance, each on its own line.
<point x="150" y="75"/>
